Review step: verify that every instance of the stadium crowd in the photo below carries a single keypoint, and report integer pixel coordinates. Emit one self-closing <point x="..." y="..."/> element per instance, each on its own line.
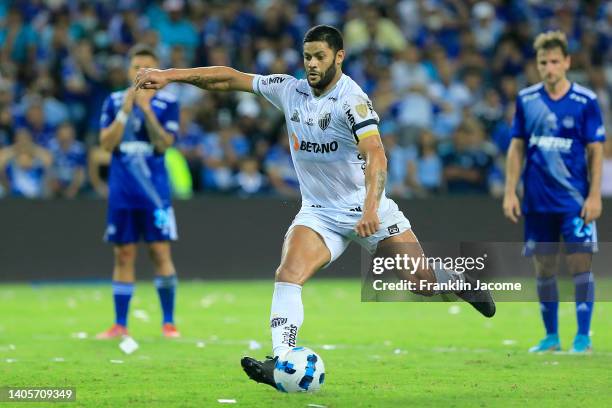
<point x="442" y="74"/>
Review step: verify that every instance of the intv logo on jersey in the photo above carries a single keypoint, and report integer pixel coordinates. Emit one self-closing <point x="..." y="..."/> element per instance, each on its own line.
<point x="313" y="147"/>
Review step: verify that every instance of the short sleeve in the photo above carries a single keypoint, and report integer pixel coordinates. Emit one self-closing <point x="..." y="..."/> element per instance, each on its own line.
<point x="108" y="113"/>
<point x="594" y="130"/>
<point x="518" y="123"/>
<point x="360" y="116"/>
<point x="273" y="88"/>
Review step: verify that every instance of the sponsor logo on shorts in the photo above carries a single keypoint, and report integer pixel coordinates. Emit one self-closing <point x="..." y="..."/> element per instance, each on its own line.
<point x="277" y="321"/>
<point x="393" y="229"/>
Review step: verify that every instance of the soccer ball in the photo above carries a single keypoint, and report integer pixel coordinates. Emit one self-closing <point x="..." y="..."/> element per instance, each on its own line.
<point x="300" y="370"/>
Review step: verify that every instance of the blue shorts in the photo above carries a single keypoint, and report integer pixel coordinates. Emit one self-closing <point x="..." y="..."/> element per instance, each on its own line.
<point x="128" y="225"/>
<point x="543" y="230"/>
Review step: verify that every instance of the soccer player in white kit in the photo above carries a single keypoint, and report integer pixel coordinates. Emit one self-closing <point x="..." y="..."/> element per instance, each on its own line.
<point x="342" y="170"/>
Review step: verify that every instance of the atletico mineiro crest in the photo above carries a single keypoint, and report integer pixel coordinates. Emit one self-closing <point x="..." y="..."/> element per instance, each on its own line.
<point x="324" y="120"/>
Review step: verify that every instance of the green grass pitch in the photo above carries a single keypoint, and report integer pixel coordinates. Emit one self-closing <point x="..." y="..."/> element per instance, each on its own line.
<point x="376" y="354"/>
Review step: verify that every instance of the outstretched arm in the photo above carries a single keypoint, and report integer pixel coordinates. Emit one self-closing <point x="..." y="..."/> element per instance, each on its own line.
<point x="375" y="179"/>
<point x="514" y="163"/>
<point x="208" y="78"/>
<point x="591" y="210"/>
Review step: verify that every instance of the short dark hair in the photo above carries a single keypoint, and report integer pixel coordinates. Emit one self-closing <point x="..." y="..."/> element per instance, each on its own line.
<point x="142" y="49"/>
<point x="331" y="35"/>
<point x="550" y="40"/>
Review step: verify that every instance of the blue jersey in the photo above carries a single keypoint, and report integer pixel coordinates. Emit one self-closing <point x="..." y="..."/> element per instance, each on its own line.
<point x="138" y="176"/>
<point x="556" y="134"/>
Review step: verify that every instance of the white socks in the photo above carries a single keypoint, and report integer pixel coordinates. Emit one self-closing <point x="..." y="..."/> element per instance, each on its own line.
<point x="286" y="316"/>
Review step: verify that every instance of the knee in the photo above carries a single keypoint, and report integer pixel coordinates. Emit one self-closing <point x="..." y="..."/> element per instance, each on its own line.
<point x="546" y="268"/>
<point x="578" y="263"/>
<point x="291" y="274"/>
<point x="125" y="256"/>
<point x="159" y="256"/>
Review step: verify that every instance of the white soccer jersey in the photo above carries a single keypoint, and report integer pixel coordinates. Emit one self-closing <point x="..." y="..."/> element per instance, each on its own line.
<point x="324" y="132"/>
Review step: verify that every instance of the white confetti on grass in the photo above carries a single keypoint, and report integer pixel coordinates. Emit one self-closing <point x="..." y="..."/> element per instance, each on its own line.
<point x="454" y="310"/>
<point x="226" y="401"/>
<point x="317" y="406"/>
<point x="200" y="344"/>
<point x="128" y="345"/>
<point x="79" y="335"/>
<point x="253" y="345"/>
<point x="58" y="359"/>
<point x="116" y="361"/>
<point x="141" y="315"/>
<point x="11" y="360"/>
<point x="328" y="347"/>
<point x="509" y="342"/>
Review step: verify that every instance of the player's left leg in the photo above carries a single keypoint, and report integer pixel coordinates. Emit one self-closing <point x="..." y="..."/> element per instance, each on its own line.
<point x="407" y="243"/>
<point x="165" y="282"/>
<point x="159" y="229"/>
<point x="581" y="243"/>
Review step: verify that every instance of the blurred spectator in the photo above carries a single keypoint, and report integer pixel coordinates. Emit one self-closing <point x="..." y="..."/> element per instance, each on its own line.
<point x="249" y="179"/>
<point x="487" y="28"/>
<point x="368" y="28"/>
<point x="125" y="28"/>
<point x="69" y="161"/>
<point x="189" y="141"/>
<point x="467" y="161"/>
<point x="407" y="71"/>
<point x="175" y="29"/>
<point x="397" y="157"/>
<point x="37" y="124"/>
<point x="425" y="172"/>
<point x="24" y="167"/>
<point x="449" y="96"/>
<point x="279" y="168"/>
<point x="17" y="39"/>
<point x="216" y="173"/>
<point x="98" y="166"/>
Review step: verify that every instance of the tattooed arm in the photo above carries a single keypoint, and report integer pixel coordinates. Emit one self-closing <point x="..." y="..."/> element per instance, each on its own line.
<point x="209" y="78"/>
<point x="375" y="179"/>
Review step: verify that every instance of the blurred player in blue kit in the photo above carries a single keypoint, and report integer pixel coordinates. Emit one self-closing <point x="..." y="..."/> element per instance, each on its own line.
<point x="558" y="132"/>
<point x="138" y="127"/>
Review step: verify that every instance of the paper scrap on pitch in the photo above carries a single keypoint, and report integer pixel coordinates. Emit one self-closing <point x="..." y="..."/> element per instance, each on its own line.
<point x="128" y="345"/>
<point x="79" y="335"/>
<point x="253" y="345"/>
<point x="226" y="401"/>
<point x="141" y="315"/>
<point x="317" y="406"/>
<point x="454" y="309"/>
<point x="200" y="344"/>
<point x="58" y="359"/>
<point x="328" y="347"/>
<point x="509" y="342"/>
<point x="117" y="361"/>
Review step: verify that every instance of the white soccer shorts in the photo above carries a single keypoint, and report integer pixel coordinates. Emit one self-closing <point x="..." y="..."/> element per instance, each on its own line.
<point x="339" y="230"/>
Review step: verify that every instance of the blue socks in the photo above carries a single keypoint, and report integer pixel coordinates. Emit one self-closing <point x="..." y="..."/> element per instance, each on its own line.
<point x="549" y="303"/>
<point x="585" y="296"/>
<point x="166" y="288"/>
<point x="122" y="293"/>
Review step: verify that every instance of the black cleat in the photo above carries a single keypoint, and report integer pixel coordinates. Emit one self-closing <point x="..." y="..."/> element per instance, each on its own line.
<point x="480" y="299"/>
<point x="260" y="371"/>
